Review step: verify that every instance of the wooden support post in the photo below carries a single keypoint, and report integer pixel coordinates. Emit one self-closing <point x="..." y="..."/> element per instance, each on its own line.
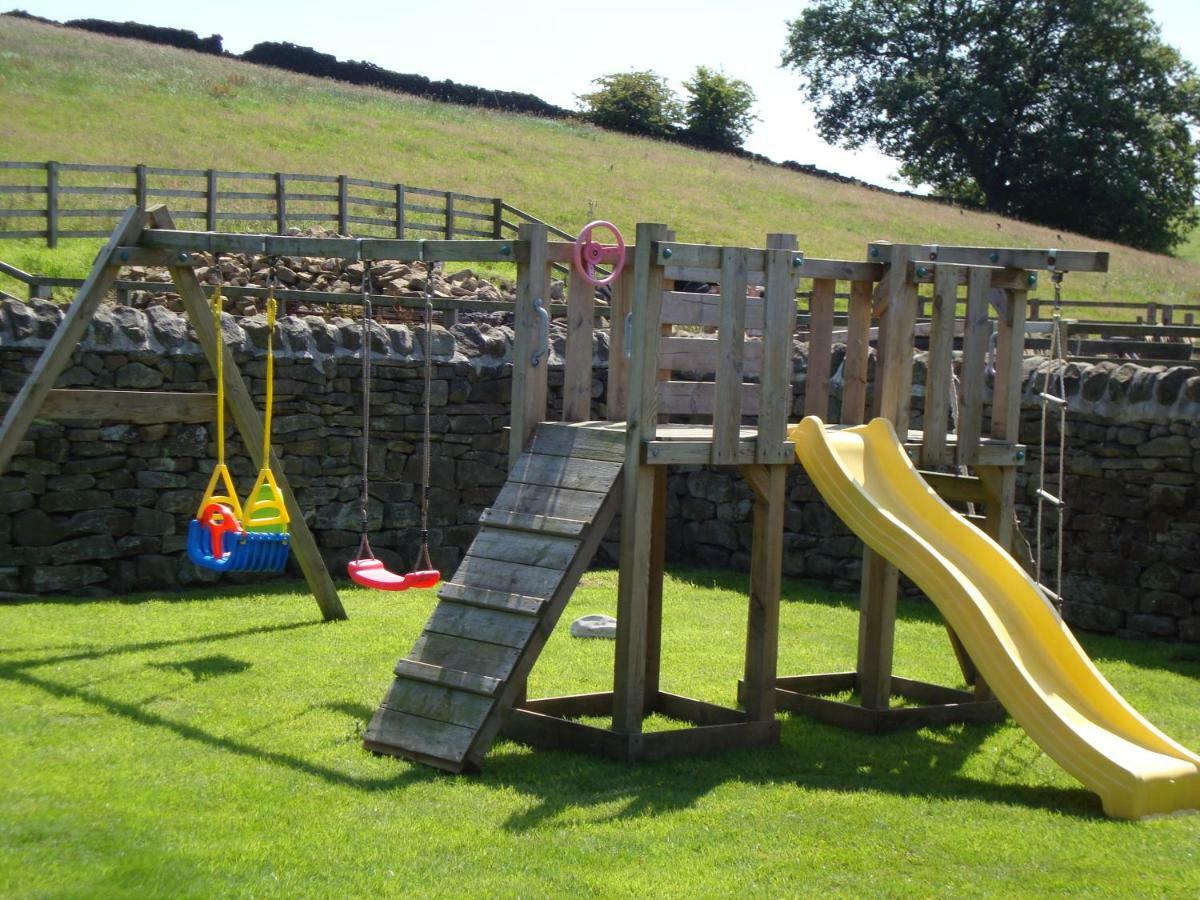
<point x="139" y="184"/>
<point x="779" y="329"/>
<point x="654" y="590"/>
<point x="497" y="218"/>
<point x="343" y="203"/>
<point x="766" y="568"/>
<point x="399" y="212"/>
<point x="52" y="204"/>
<point x="637" y="514"/>
<point x="577" y="368"/>
<point x="898" y="326"/>
<point x="893" y="387"/>
<point x="618" y="363"/>
<point x="280" y="203"/>
<point x="876" y="629"/>
<point x="529" y="385"/>
<point x="54" y="359"/>
<point x="210" y="208"/>
<point x="449" y="215"/>
<point x="250" y="427"/>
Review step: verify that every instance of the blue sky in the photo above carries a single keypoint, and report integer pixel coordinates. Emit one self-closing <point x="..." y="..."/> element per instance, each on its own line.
<point x="555" y="49"/>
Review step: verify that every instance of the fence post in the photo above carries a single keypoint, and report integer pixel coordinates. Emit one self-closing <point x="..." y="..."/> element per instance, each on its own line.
<point x="449" y="216"/>
<point x="497" y="218"/>
<point x="1168" y="315"/>
<point x="212" y="199"/>
<point x="51" y="204"/>
<point x="1035" y="308"/>
<point x="1151" y="313"/>
<point x="399" y="212"/>
<point x="280" y="202"/>
<point x="343" y="206"/>
<point x="139" y="184"/>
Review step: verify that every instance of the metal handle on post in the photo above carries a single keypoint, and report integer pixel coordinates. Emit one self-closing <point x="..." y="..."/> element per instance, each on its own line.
<point x="629" y="335"/>
<point x="542" y="346"/>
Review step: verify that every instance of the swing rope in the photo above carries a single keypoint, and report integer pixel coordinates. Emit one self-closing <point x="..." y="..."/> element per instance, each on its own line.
<point x="365" y="569"/>
<point x="423" y="562"/>
<point x="1058" y="354"/>
<point x="220" y="354"/>
<point x="270" y="310"/>
<point x="364" y="543"/>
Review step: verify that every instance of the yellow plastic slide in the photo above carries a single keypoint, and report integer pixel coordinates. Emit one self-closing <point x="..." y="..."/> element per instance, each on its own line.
<point x="1012" y="632"/>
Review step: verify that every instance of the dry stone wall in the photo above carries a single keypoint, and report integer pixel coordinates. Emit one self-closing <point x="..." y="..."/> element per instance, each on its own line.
<point x="101" y="507"/>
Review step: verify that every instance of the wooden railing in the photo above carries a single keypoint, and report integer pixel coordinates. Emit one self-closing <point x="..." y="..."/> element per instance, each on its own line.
<point x="77" y="200"/>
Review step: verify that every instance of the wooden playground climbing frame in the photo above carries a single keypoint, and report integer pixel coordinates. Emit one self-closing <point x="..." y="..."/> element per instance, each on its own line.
<point x="671" y="399"/>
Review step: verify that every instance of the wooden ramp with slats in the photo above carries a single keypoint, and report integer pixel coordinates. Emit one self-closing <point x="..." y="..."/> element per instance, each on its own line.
<point x="494" y="616"/>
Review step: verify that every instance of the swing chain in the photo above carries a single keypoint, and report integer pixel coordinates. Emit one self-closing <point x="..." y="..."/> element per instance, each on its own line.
<point x="364" y="507"/>
<point x="423" y="561"/>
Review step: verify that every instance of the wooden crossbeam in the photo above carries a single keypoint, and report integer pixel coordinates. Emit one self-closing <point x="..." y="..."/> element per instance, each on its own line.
<point x="1002" y="257"/>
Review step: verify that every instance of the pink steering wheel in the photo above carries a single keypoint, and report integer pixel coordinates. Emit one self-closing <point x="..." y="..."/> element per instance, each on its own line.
<point x="588" y="253"/>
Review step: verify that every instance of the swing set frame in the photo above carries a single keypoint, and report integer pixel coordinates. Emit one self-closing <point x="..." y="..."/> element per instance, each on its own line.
<point x="131" y="244"/>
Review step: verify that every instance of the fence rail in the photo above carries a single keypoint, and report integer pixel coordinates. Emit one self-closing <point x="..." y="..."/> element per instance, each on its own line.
<point x="71" y="202"/>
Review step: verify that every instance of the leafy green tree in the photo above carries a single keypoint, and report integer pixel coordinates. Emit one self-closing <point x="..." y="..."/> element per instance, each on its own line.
<point x="717" y="112"/>
<point x="633" y="102"/>
<point x="1073" y="113"/>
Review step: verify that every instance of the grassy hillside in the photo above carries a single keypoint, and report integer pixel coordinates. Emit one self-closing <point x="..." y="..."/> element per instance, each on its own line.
<point x="1190" y="249"/>
<point x="81" y="97"/>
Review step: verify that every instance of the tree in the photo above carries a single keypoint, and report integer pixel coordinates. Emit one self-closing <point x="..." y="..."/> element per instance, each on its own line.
<point x="717" y="111"/>
<point x="1068" y="112"/>
<point x="633" y="102"/>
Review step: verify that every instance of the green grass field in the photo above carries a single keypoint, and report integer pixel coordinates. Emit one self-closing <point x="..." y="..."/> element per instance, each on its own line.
<point x="208" y="745"/>
<point x="1190" y="250"/>
<point x="80" y="97"/>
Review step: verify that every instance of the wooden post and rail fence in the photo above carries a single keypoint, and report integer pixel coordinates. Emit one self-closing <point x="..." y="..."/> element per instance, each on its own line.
<point x="84" y="200"/>
<point x="80" y="200"/>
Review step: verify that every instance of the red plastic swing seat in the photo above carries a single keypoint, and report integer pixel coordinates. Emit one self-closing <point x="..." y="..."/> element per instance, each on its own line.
<point x="373" y="573"/>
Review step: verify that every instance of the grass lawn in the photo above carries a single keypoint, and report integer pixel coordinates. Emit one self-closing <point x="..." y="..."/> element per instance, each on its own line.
<point x="208" y="745"/>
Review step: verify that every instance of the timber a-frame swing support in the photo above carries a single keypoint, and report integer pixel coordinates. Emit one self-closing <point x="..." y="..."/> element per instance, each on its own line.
<point x="38" y="398"/>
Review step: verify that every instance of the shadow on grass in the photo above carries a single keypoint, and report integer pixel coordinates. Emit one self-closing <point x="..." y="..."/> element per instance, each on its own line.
<point x="812" y="756"/>
<point x="204" y="667"/>
<point x="195" y="592"/>
<point x="797" y="590"/>
<point x="1182" y="659"/>
<point x="815" y="757"/>
<point x="16" y="671"/>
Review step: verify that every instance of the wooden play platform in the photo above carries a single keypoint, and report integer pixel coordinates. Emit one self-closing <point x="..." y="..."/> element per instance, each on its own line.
<point x="679" y="394"/>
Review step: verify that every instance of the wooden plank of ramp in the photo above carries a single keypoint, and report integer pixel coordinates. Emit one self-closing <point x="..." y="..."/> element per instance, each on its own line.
<point x="563" y="471"/>
<point x="495" y="613"/>
<point x="578" y="441"/>
<point x="548" y="501"/>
